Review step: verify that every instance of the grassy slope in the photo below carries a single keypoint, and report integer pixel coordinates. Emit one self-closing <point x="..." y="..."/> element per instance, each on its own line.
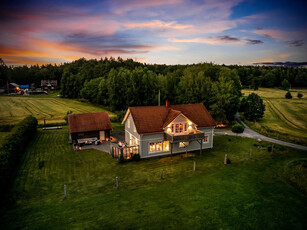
<point x="15" y="108"/>
<point x="286" y="117"/>
<point x="251" y="194"/>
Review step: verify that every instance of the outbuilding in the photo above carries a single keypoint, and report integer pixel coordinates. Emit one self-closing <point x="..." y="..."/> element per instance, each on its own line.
<point x="85" y="127"/>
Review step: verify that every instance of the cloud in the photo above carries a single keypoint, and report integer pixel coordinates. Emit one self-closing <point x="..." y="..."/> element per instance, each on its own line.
<point x="253" y="42"/>
<point x="296" y="43"/>
<point x="218" y="40"/>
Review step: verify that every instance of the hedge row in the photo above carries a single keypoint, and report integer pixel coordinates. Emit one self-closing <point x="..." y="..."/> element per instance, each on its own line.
<point x="12" y="149"/>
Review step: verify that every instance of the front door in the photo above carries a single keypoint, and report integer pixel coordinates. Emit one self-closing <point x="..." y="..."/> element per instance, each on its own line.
<point x="102" y="135"/>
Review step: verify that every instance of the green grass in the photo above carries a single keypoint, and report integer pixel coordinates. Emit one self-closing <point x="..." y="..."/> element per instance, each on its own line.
<point x="248" y="194"/>
<point x="14" y="108"/>
<point x="283" y="118"/>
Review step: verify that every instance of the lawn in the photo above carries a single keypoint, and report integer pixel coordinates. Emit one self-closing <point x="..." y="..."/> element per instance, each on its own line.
<point x="264" y="192"/>
<point x="14" y="108"/>
<point x="284" y="118"/>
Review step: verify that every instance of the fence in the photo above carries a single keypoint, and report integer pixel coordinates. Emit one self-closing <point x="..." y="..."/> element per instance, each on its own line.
<point x="123" y="152"/>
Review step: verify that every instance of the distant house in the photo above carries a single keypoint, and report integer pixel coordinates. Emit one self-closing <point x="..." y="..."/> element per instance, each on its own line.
<point x="84" y="126"/>
<point x="163" y="130"/>
<point x="49" y="84"/>
<point x="13" y="88"/>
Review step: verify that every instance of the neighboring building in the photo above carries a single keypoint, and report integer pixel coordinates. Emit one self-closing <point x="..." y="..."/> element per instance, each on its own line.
<point x="49" y="84"/>
<point x="84" y="126"/>
<point x="13" y="88"/>
<point x="163" y="130"/>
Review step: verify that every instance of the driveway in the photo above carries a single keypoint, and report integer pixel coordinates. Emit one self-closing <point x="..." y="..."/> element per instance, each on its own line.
<point x="248" y="132"/>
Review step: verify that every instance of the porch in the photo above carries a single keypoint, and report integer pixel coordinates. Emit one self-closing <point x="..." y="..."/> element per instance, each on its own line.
<point x="196" y="135"/>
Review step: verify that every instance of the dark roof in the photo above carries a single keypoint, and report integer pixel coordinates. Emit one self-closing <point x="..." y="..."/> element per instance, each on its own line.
<point x="152" y="119"/>
<point x="85" y="122"/>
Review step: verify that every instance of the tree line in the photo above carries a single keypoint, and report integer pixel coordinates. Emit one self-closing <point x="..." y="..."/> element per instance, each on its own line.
<point x="122" y="83"/>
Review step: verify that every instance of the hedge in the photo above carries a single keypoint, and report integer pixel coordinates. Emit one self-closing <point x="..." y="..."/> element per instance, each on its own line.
<point x="12" y="149"/>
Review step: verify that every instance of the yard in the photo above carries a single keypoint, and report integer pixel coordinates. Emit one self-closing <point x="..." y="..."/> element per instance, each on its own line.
<point x="284" y="118"/>
<point x="265" y="192"/>
<point x="15" y="108"/>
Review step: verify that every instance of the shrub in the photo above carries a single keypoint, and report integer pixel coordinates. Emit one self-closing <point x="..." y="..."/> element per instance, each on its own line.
<point x="237" y="128"/>
<point x="288" y="95"/>
<point x="66" y="116"/>
<point x="299" y="95"/>
<point x="12" y="149"/>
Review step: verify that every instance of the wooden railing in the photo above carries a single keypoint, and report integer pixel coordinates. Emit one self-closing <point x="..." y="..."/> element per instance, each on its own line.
<point x="184" y="137"/>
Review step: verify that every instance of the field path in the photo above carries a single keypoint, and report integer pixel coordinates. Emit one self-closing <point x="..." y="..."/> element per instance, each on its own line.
<point x="248" y="132"/>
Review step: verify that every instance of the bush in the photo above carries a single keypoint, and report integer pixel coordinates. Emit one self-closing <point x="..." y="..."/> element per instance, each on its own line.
<point x="299" y="95"/>
<point x="288" y="95"/>
<point x="237" y="128"/>
<point x="12" y="149"/>
<point x="66" y="116"/>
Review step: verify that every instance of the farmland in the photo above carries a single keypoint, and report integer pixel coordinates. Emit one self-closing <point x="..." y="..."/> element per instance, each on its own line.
<point x="284" y="118"/>
<point x="14" y="109"/>
<point x="264" y="192"/>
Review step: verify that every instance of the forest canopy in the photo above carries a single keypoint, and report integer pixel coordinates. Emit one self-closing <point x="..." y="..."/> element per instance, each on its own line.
<point x="122" y="83"/>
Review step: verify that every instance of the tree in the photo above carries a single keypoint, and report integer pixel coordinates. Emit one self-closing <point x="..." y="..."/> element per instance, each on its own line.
<point x="237" y="128"/>
<point x="243" y="105"/>
<point x="288" y="95"/>
<point x="285" y="84"/>
<point x="299" y="95"/>
<point x="255" y="107"/>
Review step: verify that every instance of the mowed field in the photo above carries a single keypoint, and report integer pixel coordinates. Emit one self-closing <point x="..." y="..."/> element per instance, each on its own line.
<point x="14" y="108"/>
<point x="287" y="117"/>
<point x="265" y="192"/>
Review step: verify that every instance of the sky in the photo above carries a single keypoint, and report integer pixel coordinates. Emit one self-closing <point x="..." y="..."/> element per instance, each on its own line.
<point x="161" y="31"/>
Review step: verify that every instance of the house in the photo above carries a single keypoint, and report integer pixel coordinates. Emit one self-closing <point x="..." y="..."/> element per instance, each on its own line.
<point x="12" y="88"/>
<point x="49" y="84"/>
<point x="89" y="126"/>
<point x="164" y="130"/>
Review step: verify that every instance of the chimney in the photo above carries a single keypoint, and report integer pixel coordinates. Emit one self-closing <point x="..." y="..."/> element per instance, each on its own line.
<point x="167" y="104"/>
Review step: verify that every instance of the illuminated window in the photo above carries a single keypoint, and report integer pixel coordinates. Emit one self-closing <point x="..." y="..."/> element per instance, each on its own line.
<point x="206" y="139"/>
<point x="159" y="147"/>
<point x="172" y="128"/>
<point x="166" y="146"/>
<point x="185" y="127"/>
<point x="181" y="144"/>
<point x="152" y="147"/>
<point x="128" y="123"/>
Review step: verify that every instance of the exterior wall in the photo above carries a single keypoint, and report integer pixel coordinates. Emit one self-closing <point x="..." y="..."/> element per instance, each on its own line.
<point x="156" y="137"/>
<point x="130" y="130"/>
<point x="75" y="136"/>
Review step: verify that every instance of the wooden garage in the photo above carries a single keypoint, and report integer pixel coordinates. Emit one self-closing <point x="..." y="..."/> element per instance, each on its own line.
<point x="85" y="127"/>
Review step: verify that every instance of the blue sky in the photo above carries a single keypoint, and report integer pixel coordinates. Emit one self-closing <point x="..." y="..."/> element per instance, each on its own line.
<point x="164" y="32"/>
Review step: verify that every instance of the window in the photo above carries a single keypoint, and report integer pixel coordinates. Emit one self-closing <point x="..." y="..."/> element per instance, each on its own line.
<point x="165" y="146"/>
<point x="206" y="139"/>
<point x="183" y="144"/>
<point x="152" y="147"/>
<point x="185" y="127"/>
<point x="159" y="146"/>
<point x="172" y="128"/>
<point x="128" y="123"/>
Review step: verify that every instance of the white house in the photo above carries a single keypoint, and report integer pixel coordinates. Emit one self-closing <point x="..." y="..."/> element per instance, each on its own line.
<point x="163" y="130"/>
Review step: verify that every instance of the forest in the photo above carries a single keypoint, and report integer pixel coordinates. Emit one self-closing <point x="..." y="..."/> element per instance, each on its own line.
<point x="119" y="83"/>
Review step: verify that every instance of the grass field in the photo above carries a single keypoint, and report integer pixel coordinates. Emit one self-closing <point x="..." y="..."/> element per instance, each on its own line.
<point x="284" y="118"/>
<point x="15" y="108"/>
<point x="263" y="193"/>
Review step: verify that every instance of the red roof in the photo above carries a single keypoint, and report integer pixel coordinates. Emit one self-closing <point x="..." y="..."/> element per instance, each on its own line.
<point x="86" y="122"/>
<point x="152" y="119"/>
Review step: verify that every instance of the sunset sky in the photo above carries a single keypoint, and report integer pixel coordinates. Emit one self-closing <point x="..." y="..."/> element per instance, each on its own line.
<point x="161" y="31"/>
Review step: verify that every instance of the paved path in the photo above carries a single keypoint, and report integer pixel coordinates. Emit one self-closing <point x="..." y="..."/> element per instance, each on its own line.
<point x="248" y="132"/>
